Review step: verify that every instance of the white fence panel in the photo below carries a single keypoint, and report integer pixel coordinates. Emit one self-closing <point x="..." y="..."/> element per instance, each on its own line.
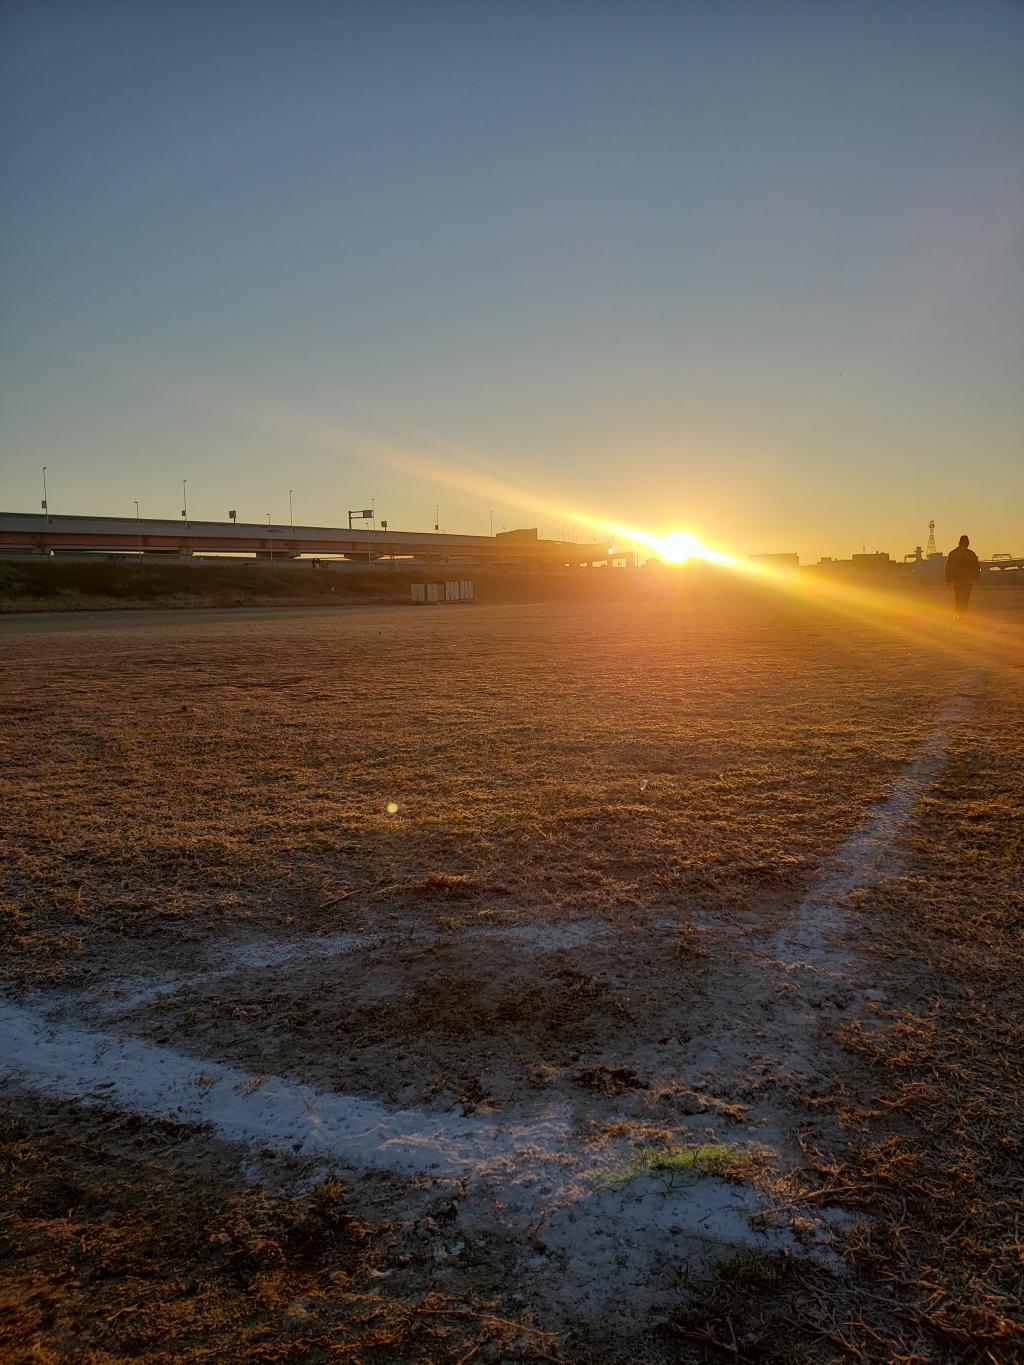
<point x="461" y="591"/>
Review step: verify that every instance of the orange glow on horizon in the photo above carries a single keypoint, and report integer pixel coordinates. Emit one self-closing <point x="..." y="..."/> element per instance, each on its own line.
<point x="910" y="615"/>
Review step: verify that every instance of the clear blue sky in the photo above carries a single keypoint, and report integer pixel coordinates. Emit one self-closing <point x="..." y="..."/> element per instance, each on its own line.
<point x="755" y="269"/>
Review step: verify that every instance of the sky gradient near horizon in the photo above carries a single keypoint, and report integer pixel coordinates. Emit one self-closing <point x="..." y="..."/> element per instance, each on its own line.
<point x="754" y="270"/>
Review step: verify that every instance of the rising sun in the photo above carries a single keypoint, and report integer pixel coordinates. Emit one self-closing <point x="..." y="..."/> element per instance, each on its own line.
<point x="679" y="546"/>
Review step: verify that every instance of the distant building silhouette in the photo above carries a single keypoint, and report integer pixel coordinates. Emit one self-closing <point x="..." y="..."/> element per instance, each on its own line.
<point x="780" y="559"/>
<point x="877" y="559"/>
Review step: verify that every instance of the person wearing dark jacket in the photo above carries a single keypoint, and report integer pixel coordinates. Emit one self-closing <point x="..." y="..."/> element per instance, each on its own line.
<point x="962" y="569"/>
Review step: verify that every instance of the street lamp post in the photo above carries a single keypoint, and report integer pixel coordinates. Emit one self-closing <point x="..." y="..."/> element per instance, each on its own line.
<point x="45" y="504"/>
<point x="138" y="524"/>
<point x="291" y="514"/>
<point x="184" y="502"/>
<point x="270" y="538"/>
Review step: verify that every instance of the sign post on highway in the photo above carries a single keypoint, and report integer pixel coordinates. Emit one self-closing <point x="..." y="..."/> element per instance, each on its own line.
<point x="363" y="514"/>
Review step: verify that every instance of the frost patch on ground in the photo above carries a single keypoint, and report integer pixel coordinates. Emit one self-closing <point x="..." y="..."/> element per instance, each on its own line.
<point x="271" y="954"/>
<point x="130" y="993"/>
<point x="161" y="1082"/>
<point x="868" y="856"/>
<point x="608" y="1247"/>
<point x="126" y="994"/>
<point x="623" y="1248"/>
<point x="811" y="945"/>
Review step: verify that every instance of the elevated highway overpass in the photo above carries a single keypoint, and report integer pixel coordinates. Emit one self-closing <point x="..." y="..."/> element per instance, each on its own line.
<point x="37" y="533"/>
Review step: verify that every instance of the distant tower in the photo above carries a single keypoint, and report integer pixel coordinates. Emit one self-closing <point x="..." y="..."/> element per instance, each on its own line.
<point x="931" y="550"/>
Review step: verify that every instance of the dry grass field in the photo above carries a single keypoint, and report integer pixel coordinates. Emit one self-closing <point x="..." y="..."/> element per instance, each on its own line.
<point x="570" y="982"/>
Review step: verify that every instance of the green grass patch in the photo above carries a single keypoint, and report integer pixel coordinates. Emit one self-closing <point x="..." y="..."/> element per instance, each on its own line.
<point x="716" y="1158"/>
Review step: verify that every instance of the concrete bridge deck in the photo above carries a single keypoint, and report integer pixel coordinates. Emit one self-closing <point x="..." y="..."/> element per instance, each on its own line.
<point x="37" y="533"/>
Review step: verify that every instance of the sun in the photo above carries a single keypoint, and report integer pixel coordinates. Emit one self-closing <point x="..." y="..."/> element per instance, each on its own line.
<point x="675" y="547"/>
<point x="679" y="546"/>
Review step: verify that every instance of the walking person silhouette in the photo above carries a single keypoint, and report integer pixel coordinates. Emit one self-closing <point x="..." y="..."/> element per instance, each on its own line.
<point x="962" y="571"/>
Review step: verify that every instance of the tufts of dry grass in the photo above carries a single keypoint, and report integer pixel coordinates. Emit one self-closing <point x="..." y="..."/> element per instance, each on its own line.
<point x="933" y="1150"/>
<point x="170" y="791"/>
<point x="159" y="783"/>
<point x="143" y="1258"/>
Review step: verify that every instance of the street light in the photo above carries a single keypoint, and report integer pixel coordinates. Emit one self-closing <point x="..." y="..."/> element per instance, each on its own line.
<point x="291" y="514"/>
<point x="184" y="502"/>
<point x="44" y="504"/>
<point x="270" y="538"/>
<point x="138" y="524"/>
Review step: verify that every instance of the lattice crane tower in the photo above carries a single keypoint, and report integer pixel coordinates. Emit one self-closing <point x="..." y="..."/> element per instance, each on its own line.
<point x="931" y="550"/>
